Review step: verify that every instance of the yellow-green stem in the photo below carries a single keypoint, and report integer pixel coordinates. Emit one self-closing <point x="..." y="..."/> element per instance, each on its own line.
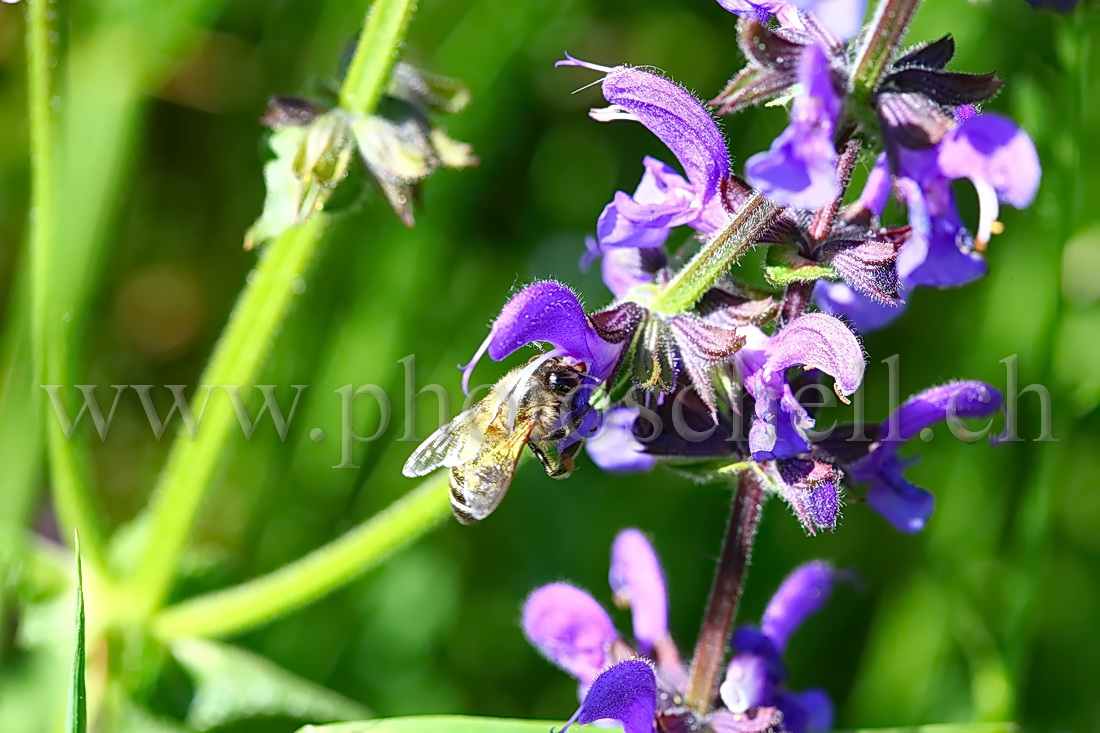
<point x="245" y="606"/>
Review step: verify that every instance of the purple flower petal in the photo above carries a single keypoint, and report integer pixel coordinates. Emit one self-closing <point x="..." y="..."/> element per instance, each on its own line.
<point x="876" y="192"/>
<point x="762" y="11"/>
<point x="991" y="150"/>
<point x="811" y="489"/>
<point x="813" y="340"/>
<point x="801" y="595"/>
<point x="676" y="117"/>
<point x="636" y="578"/>
<point x="904" y="505"/>
<point x="806" y="712"/>
<point x="627" y="693"/>
<point x="838" y="299"/>
<point x="800" y="168"/>
<point x="945" y="402"/>
<point x="548" y="311"/>
<point x="746" y="684"/>
<point x="615" y="448"/>
<point x="570" y="629"/>
<point x="758" y="720"/>
<point x="843" y="18"/>
<point x="940" y="252"/>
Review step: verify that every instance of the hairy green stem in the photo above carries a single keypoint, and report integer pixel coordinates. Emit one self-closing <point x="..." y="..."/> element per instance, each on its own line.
<point x="245" y="606"/>
<point x="237" y="359"/>
<point x="248" y="336"/>
<point x="880" y="43"/>
<point x="717" y="256"/>
<point x="725" y="592"/>
<point x="377" y="50"/>
<point x="72" y="499"/>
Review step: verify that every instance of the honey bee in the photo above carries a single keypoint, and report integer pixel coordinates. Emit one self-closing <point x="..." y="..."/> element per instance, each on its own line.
<point x="482" y="446"/>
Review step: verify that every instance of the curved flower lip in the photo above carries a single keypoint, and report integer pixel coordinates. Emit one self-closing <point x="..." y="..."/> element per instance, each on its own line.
<point x="843" y="18"/>
<point x="636" y="578"/>
<point x="998" y="157"/>
<point x="570" y="628"/>
<point x="800" y="168"/>
<point x="803" y="593"/>
<point x="939" y="252"/>
<point x="813" y="340"/>
<point x="904" y="505"/>
<point x="551" y="312"/>
<point x="625" y="692"/>
<point x="663" y="199"/>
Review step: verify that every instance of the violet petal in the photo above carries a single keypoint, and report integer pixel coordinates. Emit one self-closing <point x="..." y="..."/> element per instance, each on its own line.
<point x="636" y="578"/>
<point x="801" y="595"/>
<point x="626" y="692"/>
<point x="570" y="629"/>
<point x="615" y="447"/>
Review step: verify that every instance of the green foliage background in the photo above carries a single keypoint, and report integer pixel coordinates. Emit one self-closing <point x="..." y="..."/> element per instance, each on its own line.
<point x="988" y="615"/>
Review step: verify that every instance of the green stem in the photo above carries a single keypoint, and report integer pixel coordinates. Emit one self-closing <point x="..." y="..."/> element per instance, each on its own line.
<point x="716" y="257"/>
<point x="245" y="606"/>
<point x="72" y="500"/>
<point x="248" y="335"/>
<point x="880" y="42"/>
<point x="237" y="360"/>
<point x="377" y="50"/>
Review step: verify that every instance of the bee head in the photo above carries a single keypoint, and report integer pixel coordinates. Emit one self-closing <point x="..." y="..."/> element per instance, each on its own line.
<point x="562" y="378"/>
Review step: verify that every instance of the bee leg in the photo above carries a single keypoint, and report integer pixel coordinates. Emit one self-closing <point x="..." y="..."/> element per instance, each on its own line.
<point x="558" y="434"/>
<point x="564" y="466"/>
<point x="544" y="459"/>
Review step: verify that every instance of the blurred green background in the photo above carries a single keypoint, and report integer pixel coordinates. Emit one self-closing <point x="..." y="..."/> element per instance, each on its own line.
<point x="990" y="614"/>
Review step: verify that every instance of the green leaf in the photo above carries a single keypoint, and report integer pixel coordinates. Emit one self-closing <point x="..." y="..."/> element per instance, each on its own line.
<point x="233" y="684"/>
<point x="947" y="728"/>
<point x="785" y="274"/>
<point x="450" y="724"/>
<point x="77" y="719"/>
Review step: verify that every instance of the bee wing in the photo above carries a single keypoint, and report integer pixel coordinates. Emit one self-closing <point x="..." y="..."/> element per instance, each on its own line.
<point x="478" y="486"/>
<point x="454" y="444"/>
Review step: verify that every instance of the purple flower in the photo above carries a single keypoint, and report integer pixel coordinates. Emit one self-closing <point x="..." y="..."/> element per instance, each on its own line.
<point x="811" y="489"/>
<point x="813" y="340"/>
<point x="843" y="18"/>
<point x="800" y="168"/>
<point x="626" y="693"/>
<point x="615" y="448"/>
<point x="664" y="199"/>
<point x="996" y="156"/>
<point x="999" y="159"/>
<point x="904" y="505"/>
<point x="548" y="311"/>
<point x="571" y="629"/>
<point x="755" y="675"/>
<point x="865" y="314"/>
<point x="624" y="268"/>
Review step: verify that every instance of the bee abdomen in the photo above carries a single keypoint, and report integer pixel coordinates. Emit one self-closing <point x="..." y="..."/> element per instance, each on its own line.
<point x="458" y="498"/>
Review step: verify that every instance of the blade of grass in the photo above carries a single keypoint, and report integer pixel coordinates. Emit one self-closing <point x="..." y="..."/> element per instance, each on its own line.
<point x="48" y="313"/>
<point x="77" y="718"/>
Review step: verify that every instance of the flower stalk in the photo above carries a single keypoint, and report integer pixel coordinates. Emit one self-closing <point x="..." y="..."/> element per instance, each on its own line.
<point x="725" y="592"/>
<point x="245" y="342"/>
<point x="717" y="256"/>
